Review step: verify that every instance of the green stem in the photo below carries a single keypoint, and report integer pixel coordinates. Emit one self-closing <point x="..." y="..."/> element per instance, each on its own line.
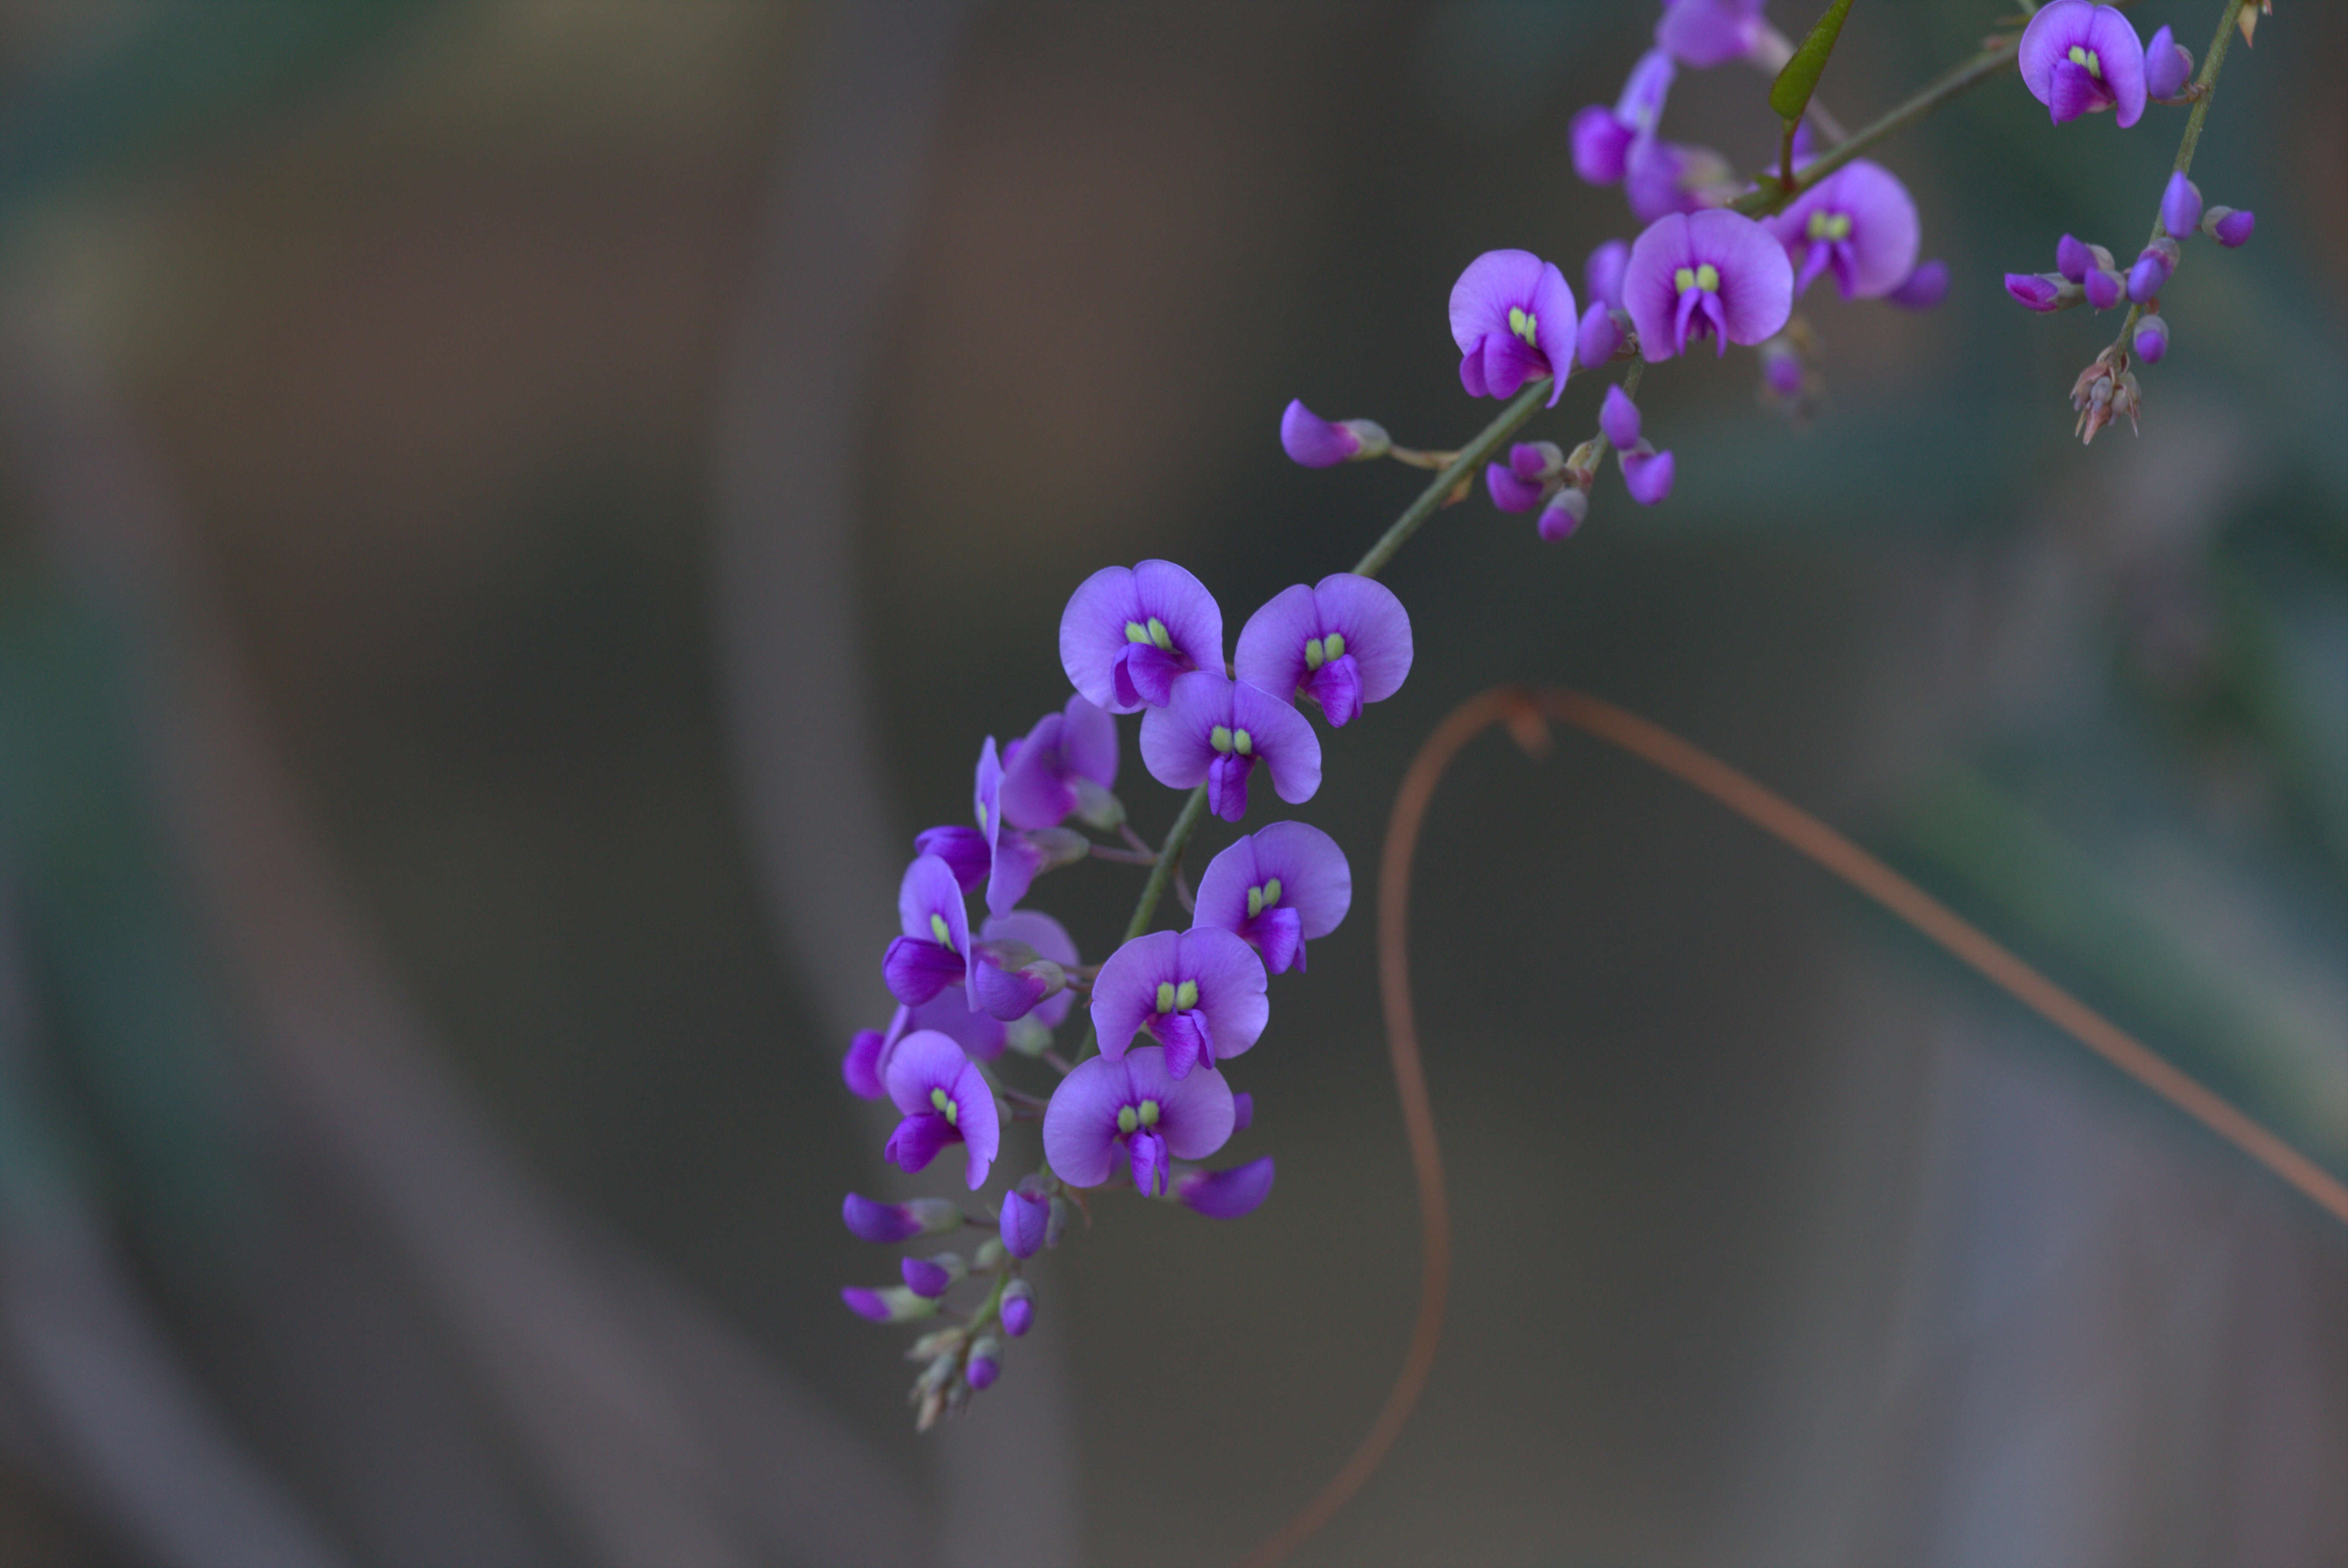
<point x="2205" y="88"/>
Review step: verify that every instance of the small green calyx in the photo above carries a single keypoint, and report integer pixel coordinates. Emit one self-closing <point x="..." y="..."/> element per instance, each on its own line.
<point x="1166" y="996"/>
<point x="944" y="1104"/>
<point x="2082" y="56"/>
<point x="939" y="929"/>
<point x="1186" y="995"/>
<point x="1523" y="323"/>
<point x="1127" y="1120"/>
<point x="1148" y="1117"/>
<point x="1829" y="226"/>
<point x="1243" y="743"/>
<point x="1220" y="737"/>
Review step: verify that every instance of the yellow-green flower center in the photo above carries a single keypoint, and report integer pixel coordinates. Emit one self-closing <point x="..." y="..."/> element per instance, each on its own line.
<point x="1173" y="998"/>
<point x="946" y="1107"/>
<point x="1830" y="225"/>
<point x="939" y="929"/>
<point x="1226" y="740"/>
<point x="1132" y="1118"/>
<point x="1153" y="631"/>
<point x="1319" y="651"/>
<point x="1262" y="897"/>
<point x="1522" y="323"/>
<point x="1704" y="276"/>
<point x="2082" y="56"/>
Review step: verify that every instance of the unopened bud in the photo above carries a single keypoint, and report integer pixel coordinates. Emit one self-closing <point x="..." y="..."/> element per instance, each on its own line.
<point x="874" y="1222"/>
<point x="2180" y="207"/>
<point x="891" y="1303"/>
<point x="2152" y="270"/>
<point x="1026" y="1219"/>
<point x="2151" y="338"/>
<point x="932" y="1277"/>
<point x="1566" y="512"/>
<point x="985" y="1362"/>
<point x="2044" y="292"/>
<point x="1018" y="1308"/>
<point x="2168" y="66"/>
<point x="2105" y="288"/>
<point x="1096" y="807"/>
<point x="2228" y="226"/>
<point x="1318" y="443"/>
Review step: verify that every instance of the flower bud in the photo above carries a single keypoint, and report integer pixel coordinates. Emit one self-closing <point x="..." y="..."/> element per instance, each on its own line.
<point x="1319" y="443"/>
<point x="1597" y="338"/>
<point x="1509" y="493"/>
<point x="2044" y="292"/>
<point x="1564" y="513"/>
<point x="1619" y="417"/>
<point x="891" y="1303"/>
<point x="2074" y="258"/>
<point x="1781" y="367"/>
<point x="985" y="1362"/>
<point x="1226" y="1194"/>
<point x="2180" y="207"/>
<point x="1018" y="1308"/>
<point x="1535" y="459"/>
<point x="1924" y="288"/>
<point x="2152" y="270"/>
<point x="2229" y="227"/>
<point x="2151" y="339"/>
<point x="2168" y="66"/>
<point x="1647" y="474"/>
<point x="1096" y="807"/>
<point x="1026" y="1217"/>
<point x="2105" y="288"/>
<point x="1603" y="272"/>
<point x="932" y="1277"/>
<point x="964" y="850"/>
<point x="870" y="1220"/>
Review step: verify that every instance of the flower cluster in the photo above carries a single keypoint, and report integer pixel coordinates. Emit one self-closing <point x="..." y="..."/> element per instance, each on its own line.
<point x="2077" y="57"/>
<point x="1145" y="1095"/>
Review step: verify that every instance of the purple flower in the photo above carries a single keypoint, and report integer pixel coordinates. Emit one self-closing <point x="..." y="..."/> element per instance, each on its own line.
<point x="1015" y="858"/>
<point x="986" y="1363"/>
<point x="1924" y="288"/>
<point x="931" y="954"/>
<point x="1512" y="316"/>
<point x="1199" y="992"/>
<point x="2074" y="258"/>
<point x="894" y="1304"/>
<point x="1018" y="1308"/>
<point x="1274" y="889"/>
<point x="2042" y="291"/>
<point x="1226" y="1194"/>
<point x="869" y="1220"/>
<point x="945" y="1100"/>
<point x="1716" y="272"/>
<point x="965" y="850"/>
<point x="1707" y="33"/>
<point x="1127" y="633"/>
<point x="1133" y="1106"/>
<point x="2076" y="56"/>
<point x="2152" y="270"/>
<point x="1319" y="443"/>
<point x="1619" y="417"/>
<point x="2229" y="227"/>
<point x="1603" y="137"/>
<point x="1663" y="177"/>
<point x="1004" y="943"/>
<point x="1597" y="338"/>
<point x="2167" y="65"/>
<point x="862" y="1066"/>
<point x="1026" y="1218"/>
<point x="1647" y="476"/>
<point x="1214" y="731"/>
<point x="2151" y="338"/>
<point x="1602" y="273"/>
<point x="1563" y="514"/>
<point x="2181" y="204"/>
<point x="1061" y="767"/>
<point x="1343" y="642"/>
<point x="926" y="1277"/>
<point x="1511" y="491"/>
<point x="2105" y="288"/>
<point x="1860" y="222"/>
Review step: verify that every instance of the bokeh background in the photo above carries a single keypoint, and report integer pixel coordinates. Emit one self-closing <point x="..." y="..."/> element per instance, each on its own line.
<point x="511" y="515"/>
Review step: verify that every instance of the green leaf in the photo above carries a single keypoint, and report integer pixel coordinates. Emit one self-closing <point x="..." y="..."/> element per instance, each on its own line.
<point x="1790" y="94"/>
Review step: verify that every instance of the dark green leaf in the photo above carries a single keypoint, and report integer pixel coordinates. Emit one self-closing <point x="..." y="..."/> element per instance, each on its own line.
<point x="1790" y="94"/>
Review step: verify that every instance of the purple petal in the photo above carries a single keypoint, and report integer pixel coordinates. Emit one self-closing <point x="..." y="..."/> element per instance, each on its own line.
<point x="2151" y="339"/>
<point x="1018" y="1309"/>
<point x="2074" y="258"/>
<point x="2121" y="54"/>
<point x="964" y="849"/>
<point x="1647" y="476"/>
<point x="1471" y="370"/>
<point x="1124" y="992"/>
<point x="1036" y="792"/>
<point x="1188" y="1039"/>
<point x="1194" y="1114"/>
<point x="1535" y="459"/>
<point x="1279" y="936"/>
<point x="2234" y="228"/>
<point x="1923" y="289"/>
<point x="1640" y="103"/>
<point x="1599" y="141"/>
<point x="1707" y="33"/>
<point x="1509" y="492"/>
<point x="2180" y="206"/>
<point x="1232" y="985"/>
<point x="1242" y="1111"/>
<point x="1080" y="1122"/>
<point x="1093" y="636"/>
<point x="915" y="969"/>
<point x="1602" y="273"/>
<point x="1316" y="880"/>
<point x="1313" y="441"/>
<point x="929" y="888"/>
<point x="1175" y="745"/>
<point x="1050" y="939"/>
<point x="1555" y="320"/>
<point x="1336" y="686"/>
<point x="2166" y="63"/>
<point x="869" y="1221"/>
<point x="1145" y="1151"/>
<point x="1654" y="179"/>
<point x="1018" y="864"/>
<point x="1884" y="229"/>
<point x="1226" y="786"/>
<point x="2046" y="43"/>
<point x="861" y="1067"/>
<point x="977" y="1120"/>
<point x="923" y="1061"/>
<point x="866" y="1303"/>
<point x="1494" y="283"/>
<point x="1597" y="338"/>
<point x="983" y="1371"/>
<point x="1756" y="281"/>
<point x="1509" y="363"/>
<point x="1283" y="738"/>
<point x="2034" y="290"/>
<point x="950" y="1013"/>
<point x="924" y="1278"/>
<point x="1006" y="995"/>
<point x="1649" y="295"/>
<point x="1619" y="417"/>
<point x="2149" y="275"/>
<point x="1088" y="741"/>
<point x="1375" y="627"/>
<point x="1270" y="653"/>
<point x="1227" y="1194"/>
<point x="1563" y="514"/>
<point x="2103" y="289"/>
<point x="917" y="1141"/>
<point x="2072" y="93"/>
<point x="1026" y="1217"/>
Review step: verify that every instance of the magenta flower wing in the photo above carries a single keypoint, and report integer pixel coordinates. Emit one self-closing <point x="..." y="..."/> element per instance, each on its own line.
<point x="1860" y="223"/>
<point x="1040" y="783"/>
<point x="1275" y="888"/>
<point x="1194" y="1115"/>
<point x="1124" y="993"/>
<point x="931" y="952"/>
<point x="1226" y="1194"/>
<point x="1127" y="633"/>
<point x="1716" y="272"/>
<point x="1513" y="318"/>
<point x="1213" y="731"/>
<point x="1343" y="642"/>
<point x="1051" y="940"/>
<point x="2075" y="56"/>
<point x="944" y="1099"/>
<point x="1080" y="1123"/>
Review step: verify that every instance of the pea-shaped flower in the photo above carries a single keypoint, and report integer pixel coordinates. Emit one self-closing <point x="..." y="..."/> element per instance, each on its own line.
<point x="1860" y="222"/>
<point x="2077" y="58"/>
<point x="1275" y="888"/>
<point x="1199" y="992"/>
<point x="934" y="951"/>
<point x="945" y="1100"/>
<point x="1132" y="1105"/>
<point x="1128" y="631"/>
<point x="1715" y="272"/>
<point x="1513" y="317"/>
<point x="1707" y="33"/>
<point x="1064" y="765"/>
<point x="1213" y="731"/>
<point x="1005" y="943"/>
<point x="1343" y="642"/>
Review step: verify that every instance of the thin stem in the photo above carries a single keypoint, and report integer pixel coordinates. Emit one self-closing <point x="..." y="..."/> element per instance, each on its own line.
<point x="1599" y="445"/>
<point x="1141" y="857"/>
<point x="1463" y="465"/>
<point x="2204" y="87"/>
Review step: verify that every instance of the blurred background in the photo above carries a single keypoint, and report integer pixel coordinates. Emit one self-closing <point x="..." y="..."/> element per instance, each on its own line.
<point x="512" y="514"/>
